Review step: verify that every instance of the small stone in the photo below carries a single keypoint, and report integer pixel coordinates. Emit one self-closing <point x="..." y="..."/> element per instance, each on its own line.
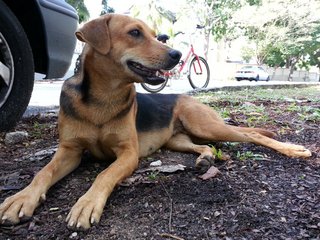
<point x="54" y="209"/>
<point x="73" y="235"/>
<point x="15" y="137"/>
<point x="216" y="214"/>
<point x="156" y="163"/>
<point x="283" y="219"/>
<point x="113" y="231"/>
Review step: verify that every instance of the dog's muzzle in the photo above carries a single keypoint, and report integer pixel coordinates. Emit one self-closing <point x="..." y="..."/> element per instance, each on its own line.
<point x="151" y="75"/>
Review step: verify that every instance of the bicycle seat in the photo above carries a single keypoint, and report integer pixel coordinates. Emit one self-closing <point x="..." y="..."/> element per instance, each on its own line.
<point x="163" y="38"/>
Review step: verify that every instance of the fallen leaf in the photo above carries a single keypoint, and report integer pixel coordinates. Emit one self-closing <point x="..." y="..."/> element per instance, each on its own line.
<point x="164" y="169"/>
<point x="130" y="180"/>
<point x="211" y="173"/>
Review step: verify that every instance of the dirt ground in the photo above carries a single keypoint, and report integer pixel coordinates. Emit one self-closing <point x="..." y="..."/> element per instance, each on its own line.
<point x="259" y="193"/>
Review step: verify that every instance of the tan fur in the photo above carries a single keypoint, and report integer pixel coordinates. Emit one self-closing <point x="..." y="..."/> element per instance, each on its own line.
<point x="99" y="115"/>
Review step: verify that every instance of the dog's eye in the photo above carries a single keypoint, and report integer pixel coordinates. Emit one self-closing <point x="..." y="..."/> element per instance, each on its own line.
<point x="135" y="33"/>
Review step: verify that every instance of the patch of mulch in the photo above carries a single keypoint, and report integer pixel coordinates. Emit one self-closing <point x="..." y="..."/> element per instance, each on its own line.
<point x="259" y="193"/>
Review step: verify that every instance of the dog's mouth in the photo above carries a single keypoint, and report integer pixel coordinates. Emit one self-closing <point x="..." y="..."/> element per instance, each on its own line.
<point x="149" y="75"/>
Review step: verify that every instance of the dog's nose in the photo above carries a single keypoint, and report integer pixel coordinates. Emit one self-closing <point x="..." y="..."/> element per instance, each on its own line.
<point x="173" y="59"/>
<point x="175" y="55"/>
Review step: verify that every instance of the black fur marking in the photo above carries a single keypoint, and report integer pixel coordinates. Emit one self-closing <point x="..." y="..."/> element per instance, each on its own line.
<point x="78" y="65"/>
<point x="84" y="87"/>
<point x="66" y="105"/>
<point x="155" y="111"/>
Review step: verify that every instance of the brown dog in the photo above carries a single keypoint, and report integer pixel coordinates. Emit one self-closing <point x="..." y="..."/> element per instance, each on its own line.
<point x="101" y="112"/>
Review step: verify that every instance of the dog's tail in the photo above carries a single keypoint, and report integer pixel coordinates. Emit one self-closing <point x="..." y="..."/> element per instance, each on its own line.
<point x="262" y="131"/>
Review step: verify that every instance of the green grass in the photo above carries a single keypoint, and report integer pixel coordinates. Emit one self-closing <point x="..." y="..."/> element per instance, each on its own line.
<point x="38" y="129"/>
<point x="249" y="155"/>
<point x="311" y="93"/>
<point x="246" y="102"/>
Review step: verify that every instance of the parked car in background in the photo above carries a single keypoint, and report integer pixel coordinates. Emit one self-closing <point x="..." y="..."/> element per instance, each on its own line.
<point x="251" y="73"/>
<point x="35" y="36"/>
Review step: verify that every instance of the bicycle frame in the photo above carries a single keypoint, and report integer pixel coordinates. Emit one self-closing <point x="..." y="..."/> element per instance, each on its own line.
<point x="184" y="62"/>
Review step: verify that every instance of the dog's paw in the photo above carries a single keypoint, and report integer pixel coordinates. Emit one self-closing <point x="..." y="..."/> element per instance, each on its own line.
<point x="19" y="207"/>
<point x="86" y="212"/>
<point x="296" y="151"/>
<point x="203" y="162"/>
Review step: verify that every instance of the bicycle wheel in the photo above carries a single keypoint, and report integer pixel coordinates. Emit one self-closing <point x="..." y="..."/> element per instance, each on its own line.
<point x="199" y="73"/>
<point x="155" y="88"/>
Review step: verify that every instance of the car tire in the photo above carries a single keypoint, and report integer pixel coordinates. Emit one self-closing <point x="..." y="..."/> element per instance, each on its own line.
<point x="16" y="69"/>
<point x="257" y="78"/>
<point x="268" y="79"/>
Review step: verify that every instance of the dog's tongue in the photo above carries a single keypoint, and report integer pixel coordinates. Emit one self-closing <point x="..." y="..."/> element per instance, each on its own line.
<point x="154" y="80"/>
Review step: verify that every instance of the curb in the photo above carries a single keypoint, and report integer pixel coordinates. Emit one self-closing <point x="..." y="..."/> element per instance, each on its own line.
<point x="263" y="86"/>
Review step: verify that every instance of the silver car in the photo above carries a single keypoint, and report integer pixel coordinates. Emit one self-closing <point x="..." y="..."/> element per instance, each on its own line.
<point x="251" y="73"/>
<point x="35" y="36"/>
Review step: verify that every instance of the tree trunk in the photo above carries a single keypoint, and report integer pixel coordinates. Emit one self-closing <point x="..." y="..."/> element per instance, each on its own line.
<point x="292" y="63"/>
<point x="206" y="44"/>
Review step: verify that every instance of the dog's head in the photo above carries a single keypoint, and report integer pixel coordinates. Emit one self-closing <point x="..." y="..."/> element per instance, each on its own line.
<point x="131" y="45"/>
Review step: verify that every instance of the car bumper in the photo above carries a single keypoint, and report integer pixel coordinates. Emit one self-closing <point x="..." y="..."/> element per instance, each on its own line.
<point x="245" y="77"/>
<point x="60" y="24"/>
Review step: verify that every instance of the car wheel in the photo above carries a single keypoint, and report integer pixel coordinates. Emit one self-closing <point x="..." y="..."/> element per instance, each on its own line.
<point x="16" y="69"/>
<point x="257" y="78"/>
<point x="268" y="79"/>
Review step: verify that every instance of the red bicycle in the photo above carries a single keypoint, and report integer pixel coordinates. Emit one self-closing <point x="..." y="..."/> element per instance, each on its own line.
<point x="198" y="72"/>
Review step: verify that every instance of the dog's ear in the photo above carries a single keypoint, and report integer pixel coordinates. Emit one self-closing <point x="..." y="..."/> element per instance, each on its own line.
<point x="96" y="34"/>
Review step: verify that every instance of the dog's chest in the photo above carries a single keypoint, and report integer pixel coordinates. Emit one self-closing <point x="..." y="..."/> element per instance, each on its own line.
<point x="155" y="111"/>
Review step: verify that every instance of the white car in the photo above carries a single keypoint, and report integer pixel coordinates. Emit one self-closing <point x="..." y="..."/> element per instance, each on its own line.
<point x="250" y="73"/>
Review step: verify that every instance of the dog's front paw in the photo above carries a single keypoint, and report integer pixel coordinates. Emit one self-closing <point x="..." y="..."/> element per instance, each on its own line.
<point x="86" y="212"/>
<point x="19" y="207"/>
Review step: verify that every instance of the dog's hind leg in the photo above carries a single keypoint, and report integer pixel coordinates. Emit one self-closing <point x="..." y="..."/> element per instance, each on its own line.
<point x="21" y="206"/>
<point x="202" y="122"/>
<point x="183" y="143"/>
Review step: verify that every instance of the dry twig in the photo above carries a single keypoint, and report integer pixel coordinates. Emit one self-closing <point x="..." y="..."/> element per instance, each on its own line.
<point x="171" y="206"/>
<point x="168" y="235"/>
